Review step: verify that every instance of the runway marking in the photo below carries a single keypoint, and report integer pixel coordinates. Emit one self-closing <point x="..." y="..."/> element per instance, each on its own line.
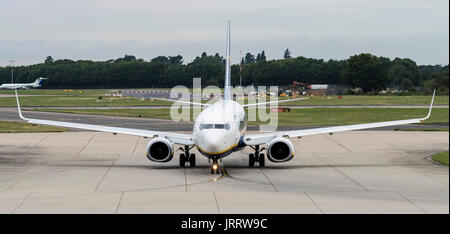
<point x="217" y="203"/>
<point x="118" y="204"/>
<point x="315" y="204"/>
<point x="14" y="211"/>
<point x="106" y="173"/>
<point x="342" y="173"/>
<point x="87" y="143"/>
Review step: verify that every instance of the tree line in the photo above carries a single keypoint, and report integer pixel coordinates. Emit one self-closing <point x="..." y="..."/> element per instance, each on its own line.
<point x="365" y="71"/>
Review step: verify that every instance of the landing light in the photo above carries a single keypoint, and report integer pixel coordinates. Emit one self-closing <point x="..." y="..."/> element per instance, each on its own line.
<point x="215" y="166"/>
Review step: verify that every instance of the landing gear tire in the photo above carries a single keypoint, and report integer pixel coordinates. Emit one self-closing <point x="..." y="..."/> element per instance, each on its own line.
<point x="251" y="160"/>
<point x="182" y="160"/>
<point x="261" y="160"/>
<point x="192" y="160"/>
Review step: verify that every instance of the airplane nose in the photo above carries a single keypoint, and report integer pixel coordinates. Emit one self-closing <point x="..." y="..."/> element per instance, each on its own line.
<point x="213" y="142"/>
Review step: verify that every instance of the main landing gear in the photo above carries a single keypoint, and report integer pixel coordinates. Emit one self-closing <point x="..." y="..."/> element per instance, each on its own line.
<point x="256" y="157"/>
<point x="187" y="157"/>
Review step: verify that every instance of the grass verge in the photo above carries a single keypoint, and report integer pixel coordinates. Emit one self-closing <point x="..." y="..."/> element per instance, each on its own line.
<point x="16" y="127"/>
<point x="441" y="157"/>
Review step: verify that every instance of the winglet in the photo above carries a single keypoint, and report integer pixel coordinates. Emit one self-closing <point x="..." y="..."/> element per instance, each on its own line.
<point x="18" y="107"/>
<point x="431" y="107"/>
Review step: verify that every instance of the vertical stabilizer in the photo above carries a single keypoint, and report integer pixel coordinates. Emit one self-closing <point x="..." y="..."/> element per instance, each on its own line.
<point x="227" y="88"/>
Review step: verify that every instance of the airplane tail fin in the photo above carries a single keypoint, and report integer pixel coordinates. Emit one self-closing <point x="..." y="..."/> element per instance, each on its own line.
<point x="227" y="87"/>
<point x="38" y="82"/>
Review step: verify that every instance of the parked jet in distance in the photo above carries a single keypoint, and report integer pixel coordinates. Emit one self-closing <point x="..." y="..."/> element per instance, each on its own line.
<point x="36" y="84"/>
<point x="219" y="130"/>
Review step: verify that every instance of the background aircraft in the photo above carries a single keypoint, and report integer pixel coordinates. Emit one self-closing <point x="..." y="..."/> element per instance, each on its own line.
<point x="219" y="130"/>
<point x="36" y="84"/>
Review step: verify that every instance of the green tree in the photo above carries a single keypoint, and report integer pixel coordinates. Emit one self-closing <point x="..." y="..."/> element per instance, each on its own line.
<point x="365" y="71"/>
<point x="287" y="54"/>
<point x="249" y="58"/>
<point x="404" y="69"/>
<point x="261" y="57"/>
<point x="49" y="59"/>
<point x="176" y="59"/>
<point x="160" y="59"/>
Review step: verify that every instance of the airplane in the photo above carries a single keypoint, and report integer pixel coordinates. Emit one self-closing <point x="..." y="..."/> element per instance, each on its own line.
<point x="36" y="84"/>
<point x="220" y="130"/>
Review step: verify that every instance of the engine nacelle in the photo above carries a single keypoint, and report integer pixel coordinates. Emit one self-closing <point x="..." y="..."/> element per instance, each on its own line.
<point x="159" y="150"/>
<point x="280" y="150"/>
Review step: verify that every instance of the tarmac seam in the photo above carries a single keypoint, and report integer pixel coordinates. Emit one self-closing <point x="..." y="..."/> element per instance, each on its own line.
<point x="185" y="180"/>
<point x="135" y="146"/>
<point x="31" y="169"/>
<point x="217" y="203"/>
<point x="273" y="185"/>
<point x="106" y="173"/>
<point x="334" y="141"/>
<point x="29" y="195"/>
<point x="87" y="143"/>
<point x="412" y="203"/>
<point x="392" y="145"/>
<point x="39" y="142"/>
<point x="342" y="173"/>
<point x="118" y="204"/>
<point x="315" y="204"/>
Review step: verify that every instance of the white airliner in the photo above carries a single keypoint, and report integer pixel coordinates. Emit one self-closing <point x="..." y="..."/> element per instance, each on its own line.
<point x="219" y="130"/>
<point x="36" y="84"/>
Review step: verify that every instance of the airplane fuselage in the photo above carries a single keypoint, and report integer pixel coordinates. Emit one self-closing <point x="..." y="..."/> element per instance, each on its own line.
<point x="218" y="129"/>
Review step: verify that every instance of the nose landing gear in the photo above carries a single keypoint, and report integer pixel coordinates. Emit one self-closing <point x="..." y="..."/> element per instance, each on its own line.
<point x="187" y="157"/>
<point x="215" y="168"/>
<point x="256" y="157"/>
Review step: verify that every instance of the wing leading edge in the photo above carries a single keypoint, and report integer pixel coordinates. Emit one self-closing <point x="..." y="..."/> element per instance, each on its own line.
<point x="257" y="139"/>
<point x="176" y="138"/>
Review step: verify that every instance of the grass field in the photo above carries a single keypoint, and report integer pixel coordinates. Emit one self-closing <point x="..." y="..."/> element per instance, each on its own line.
<point x="441" y="157"/>
<point x="90" y="97"/>
<point x="371" y="100"/>
<point x="16" y="127"/>
<point x="60" y="92"/>
<point x="297" y="117"/>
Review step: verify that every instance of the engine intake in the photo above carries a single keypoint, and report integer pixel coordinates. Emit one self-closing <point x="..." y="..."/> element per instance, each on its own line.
<point x="280" y="150"/>
<point x="160" y="150"/>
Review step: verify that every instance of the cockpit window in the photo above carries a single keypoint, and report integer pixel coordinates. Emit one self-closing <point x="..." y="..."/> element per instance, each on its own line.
<point x="214" y="126"/>
<point x="219" y="126"/>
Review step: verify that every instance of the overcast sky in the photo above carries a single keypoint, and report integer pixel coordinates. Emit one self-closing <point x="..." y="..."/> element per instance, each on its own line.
<point x="103" y="29"/>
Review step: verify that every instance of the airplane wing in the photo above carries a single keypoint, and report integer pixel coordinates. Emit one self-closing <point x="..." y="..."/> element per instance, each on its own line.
<point x="264" y="103"/>
<point x="264" y="138"/>
<point x="176" y="138"/>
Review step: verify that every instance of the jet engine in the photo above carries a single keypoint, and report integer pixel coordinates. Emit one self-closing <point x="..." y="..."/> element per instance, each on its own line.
<point x="160" y="150"/>
<point x="280" y="150"/>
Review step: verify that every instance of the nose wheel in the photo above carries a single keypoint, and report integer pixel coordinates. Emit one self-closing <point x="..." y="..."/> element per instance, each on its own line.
<point x="187" y="157"/>
<point x="256" y="157"/>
